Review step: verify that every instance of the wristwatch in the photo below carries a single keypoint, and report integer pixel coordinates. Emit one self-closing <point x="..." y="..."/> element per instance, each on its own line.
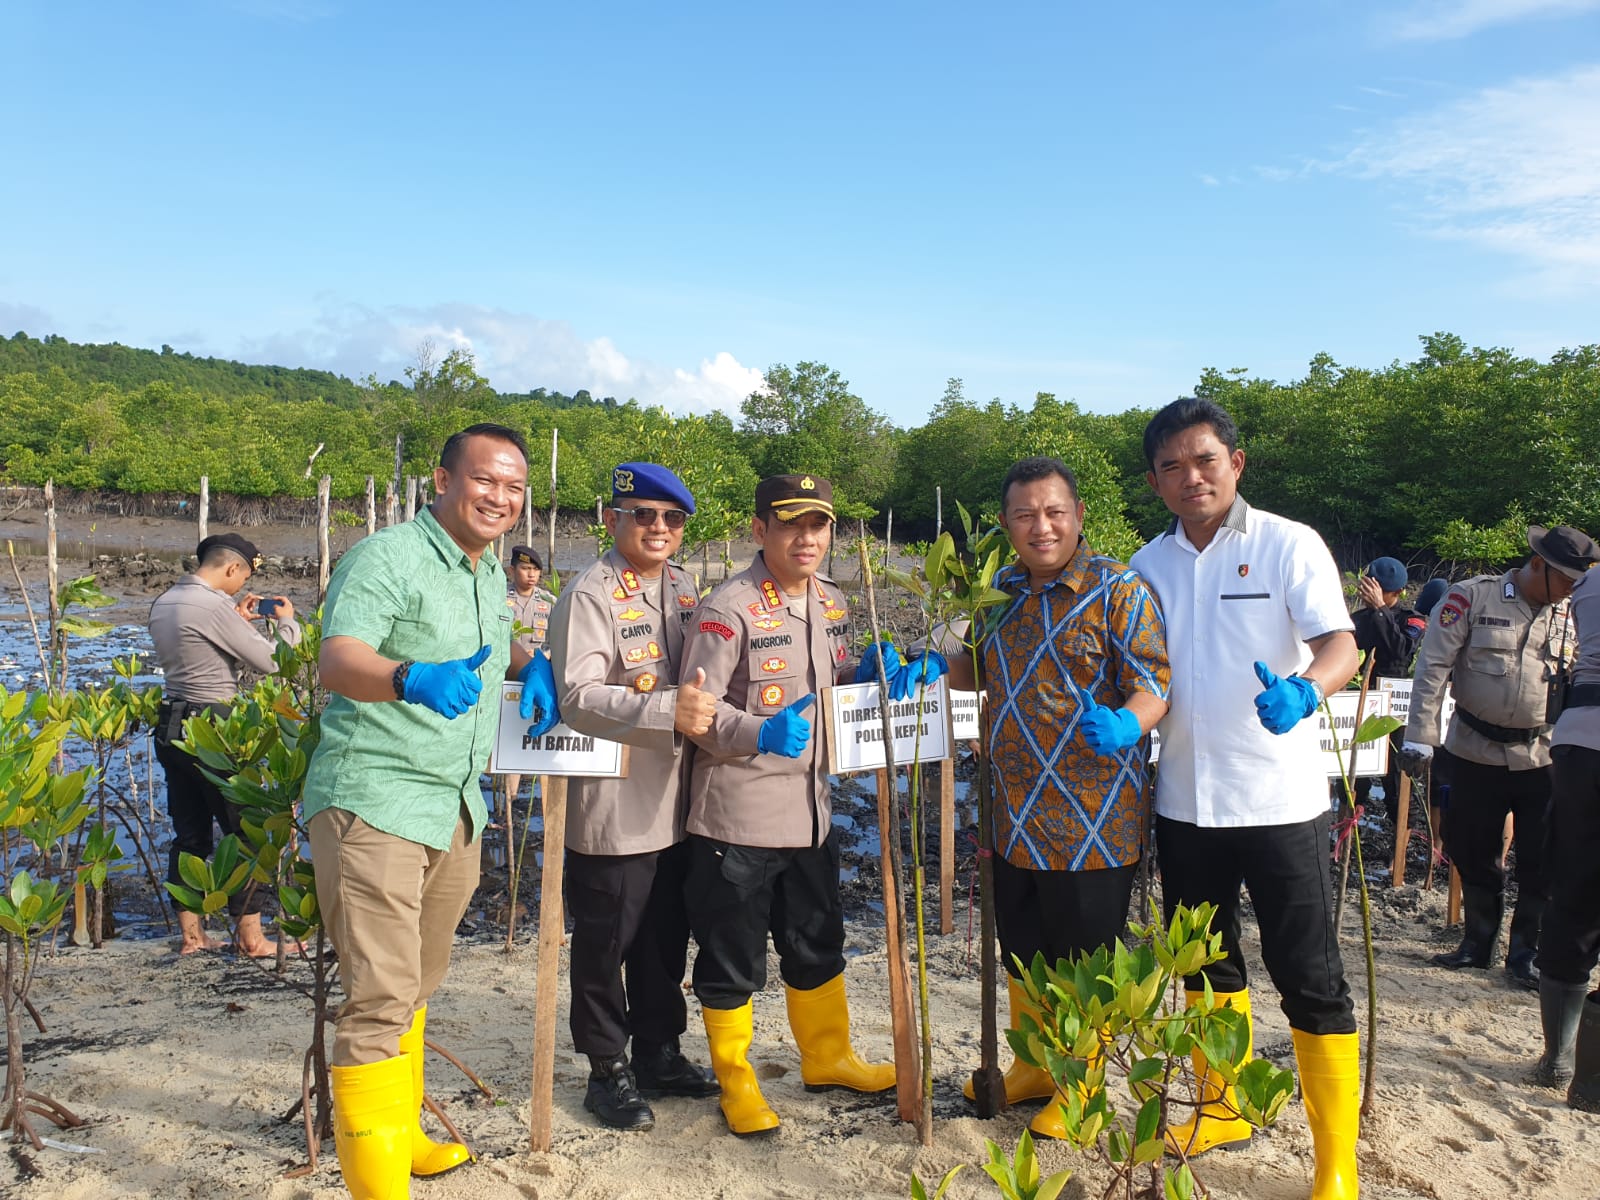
<point x="1315" y="687"/>
<point x="399" y="678"/>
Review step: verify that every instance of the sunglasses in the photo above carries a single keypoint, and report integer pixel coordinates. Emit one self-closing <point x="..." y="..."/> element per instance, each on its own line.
<point x="646" y="517"/>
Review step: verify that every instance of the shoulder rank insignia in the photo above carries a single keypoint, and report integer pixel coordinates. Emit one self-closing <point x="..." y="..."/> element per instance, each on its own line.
<point x="630" y="614"/>
<point x="769" y="593"/>
<point x="619" y="592"/>
<point x="630" y="580"/>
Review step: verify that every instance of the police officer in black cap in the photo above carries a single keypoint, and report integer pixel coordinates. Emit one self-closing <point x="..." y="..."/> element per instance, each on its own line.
<point x="201" y="627"/>
<point x="1500" y="641"/>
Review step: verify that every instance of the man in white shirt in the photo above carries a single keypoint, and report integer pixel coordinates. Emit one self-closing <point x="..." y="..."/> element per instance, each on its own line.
<point x="1257" y="632"/>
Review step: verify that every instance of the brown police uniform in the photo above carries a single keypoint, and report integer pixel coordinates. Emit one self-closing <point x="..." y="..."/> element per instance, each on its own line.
<point x="1499" y="655"/>
<point x="532" y="611"/>
<point x="202" y="644"/>
<point x="761" y="858"/>
<point x="616" y="640"/>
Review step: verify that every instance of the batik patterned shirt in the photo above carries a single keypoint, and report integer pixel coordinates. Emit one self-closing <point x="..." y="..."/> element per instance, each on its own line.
<point x="1095" y="630"/>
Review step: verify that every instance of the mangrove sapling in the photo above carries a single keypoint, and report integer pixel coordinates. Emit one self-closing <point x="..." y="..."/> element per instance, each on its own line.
<point x="1368" y="730"/>
<point x="1105" y="1007"/>
<point x="39" y="812"/>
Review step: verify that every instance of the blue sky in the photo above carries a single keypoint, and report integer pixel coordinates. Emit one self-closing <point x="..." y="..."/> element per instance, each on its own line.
<point x="661" y="201"/>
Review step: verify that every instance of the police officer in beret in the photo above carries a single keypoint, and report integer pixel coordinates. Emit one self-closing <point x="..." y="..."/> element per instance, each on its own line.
<point x="203" y="636"/>
<point x="1389" y="631"/>
<point x="616" y="648"/>
<point x="1499" y="641"/>
<point x="762" y="856"/>
<point x="530" y="607"/>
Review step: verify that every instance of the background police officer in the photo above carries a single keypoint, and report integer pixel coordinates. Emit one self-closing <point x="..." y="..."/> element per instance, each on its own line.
<point x="530" y="606"/>
<point x="1499" y="641"/>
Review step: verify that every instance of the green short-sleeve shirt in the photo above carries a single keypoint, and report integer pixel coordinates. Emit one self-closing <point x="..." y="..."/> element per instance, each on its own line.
<point x="410" y="592"/>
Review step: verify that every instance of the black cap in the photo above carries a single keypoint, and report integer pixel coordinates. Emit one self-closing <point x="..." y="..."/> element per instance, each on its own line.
<point x="230" y="541"/>
<point x="525" y="554"/>
<point x="789" y="496"/>
<point x="1568" y="550"/>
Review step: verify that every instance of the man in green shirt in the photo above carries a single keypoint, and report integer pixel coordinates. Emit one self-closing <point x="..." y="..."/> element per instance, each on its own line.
<point x="414" y="622"/>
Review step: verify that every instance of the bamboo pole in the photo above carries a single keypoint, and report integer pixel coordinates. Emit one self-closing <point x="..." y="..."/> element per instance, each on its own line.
<point x="599" y="524"/>
<point x="938" y="511"/>
<point x="411" y="498"/>
<point x="391" y="504"/>
<point x="52" y="574"/>
<point x="947" y="845"/>
<point x="546" y="978"/>
<point x="324" y="556"/>
<point x="205" y="506"/>
<point x="550" y="533"/>
<point x="372" y="507"/>
<point x="399" y="447"/>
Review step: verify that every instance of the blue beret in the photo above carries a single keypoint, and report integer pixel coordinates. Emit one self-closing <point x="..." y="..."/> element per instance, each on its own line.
<point x="649" y="481"/>
<point x="1389" y="572"/>
<point x="1432" y="592"/>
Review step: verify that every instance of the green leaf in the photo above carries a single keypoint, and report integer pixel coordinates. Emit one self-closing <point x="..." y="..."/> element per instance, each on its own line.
<point x="1050" y="1188"/>
<point x="1375" y="727"/>
<point x="83" y="627"/>
<point x="195" y="871"/>
<point x="187" y="898"/>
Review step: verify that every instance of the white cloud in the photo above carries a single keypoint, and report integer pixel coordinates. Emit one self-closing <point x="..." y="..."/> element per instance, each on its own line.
<point x="1438" y="20"/>
<point x="1514" y="168"/>
<point x="515" y="351"/>
<point x="24" y="318"/>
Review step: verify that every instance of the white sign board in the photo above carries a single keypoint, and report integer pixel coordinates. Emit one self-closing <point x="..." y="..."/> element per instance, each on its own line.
<point x="561" y="751"/>
<point x="1399" y="693"/>
<point x="1371" y="759"/>
<point x="964" y="715"/>
<point x="921" y="730"/>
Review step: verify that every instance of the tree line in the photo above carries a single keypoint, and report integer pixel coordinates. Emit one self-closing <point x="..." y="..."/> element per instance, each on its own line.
<point x="1449" y="455"/>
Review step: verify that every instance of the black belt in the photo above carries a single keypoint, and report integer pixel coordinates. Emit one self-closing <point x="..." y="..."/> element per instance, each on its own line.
<point x="1584" y="695"/>
<point x="173" y="713"/>
<point x="1505" y="734"/>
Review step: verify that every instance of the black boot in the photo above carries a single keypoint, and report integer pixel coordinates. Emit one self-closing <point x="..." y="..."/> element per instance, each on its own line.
<point x="613" y="1096"/>
<point x="1584" y="1093"/>
<point x="1560" y="1006"/>
<point x="662" y="1070"/>
<point x="1524" y="944"/>
<point x="1481" y="910"/>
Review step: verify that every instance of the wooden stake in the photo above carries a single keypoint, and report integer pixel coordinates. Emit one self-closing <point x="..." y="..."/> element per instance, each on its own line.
<point x="391" y="504"/>
<point x="947" y="845"/>
<point x="550" y="533"/>
<point x="324" y="555"/>
<point x="205" y="506"/>
<point x="1402" y="832"/>
<point x="411" y="498"/>
<point x="372" y="506"/>
<point x="547" y="977"/>
<point x="399" y="446"/>
<point x="52" y="574"/>
<point x="1452" y="914"/>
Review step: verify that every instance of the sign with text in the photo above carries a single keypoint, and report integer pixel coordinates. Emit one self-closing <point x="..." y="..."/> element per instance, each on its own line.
<point x="964" y="715"/>
<point x="1399" y="693"/>
<point x="855" y="727"/>
<point x="561" y="751"/>
<point x="1371" y="758"/>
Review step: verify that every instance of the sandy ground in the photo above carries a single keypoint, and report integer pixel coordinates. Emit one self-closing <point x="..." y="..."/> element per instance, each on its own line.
<point x="184" y="1068"/>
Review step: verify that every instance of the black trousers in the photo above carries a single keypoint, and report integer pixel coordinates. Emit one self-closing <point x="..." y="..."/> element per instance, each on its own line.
<point x="1285" y="867"/>
<point x="740" y="894"/>
<point x="630" y="945"/>
<point x="195" y="803"/>
<point x="1059" y="914"/>
<point x="1480" y="798"/>
<point x="1569" y="943"/>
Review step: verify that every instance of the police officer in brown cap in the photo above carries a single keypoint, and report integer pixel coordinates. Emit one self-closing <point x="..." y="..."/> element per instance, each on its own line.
<point x="201" y="628"/>
<point x="762" y="858"/>
<point x="1499" y="641"/>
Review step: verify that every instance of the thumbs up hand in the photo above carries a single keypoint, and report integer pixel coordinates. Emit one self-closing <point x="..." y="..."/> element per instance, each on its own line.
<point x="448" y="688"/>
<point x="786" y="732"/>
<point x="1108" y="730"/>
<point x="695" y="708"/>
<point x="1284" y="702"/>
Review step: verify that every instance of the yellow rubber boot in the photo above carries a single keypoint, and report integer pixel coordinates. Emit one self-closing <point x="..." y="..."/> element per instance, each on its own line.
<point x="1049" y="1121"/>
<point x="1022" y="1081"/>
<point x="729" y="1031"/>
<point x="1217" y="1123"/>
<point x="1330" y="1082"/>
<point x="428" y="1157"/>
<point x="372" y="1117"/>
<point x="820" y="1019"/>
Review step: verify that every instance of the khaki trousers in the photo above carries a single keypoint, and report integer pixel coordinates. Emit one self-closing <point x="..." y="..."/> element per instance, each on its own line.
<point x="391" y="907"/>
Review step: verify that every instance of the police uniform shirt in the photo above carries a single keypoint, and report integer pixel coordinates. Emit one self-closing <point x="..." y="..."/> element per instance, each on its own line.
<point x="759" y="657"/>
<point x="616" y="644"/>
<point x="1581" y="726"/>
<point x="1498" y="654"/>
<point x="532" y="611"/>
<point x="201" y="642"/>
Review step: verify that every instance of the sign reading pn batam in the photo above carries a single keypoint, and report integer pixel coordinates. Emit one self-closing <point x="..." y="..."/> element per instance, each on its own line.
<point x="561" y="751"/>
<point x="921" y="730"/>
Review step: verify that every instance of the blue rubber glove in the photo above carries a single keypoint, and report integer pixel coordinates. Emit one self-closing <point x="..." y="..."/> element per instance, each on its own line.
<point x="538" y="695"/>
<point x="928" y="667"/>
<point x="1285" y="702"/>
<point x="867" y="668"/>
<point x="1108" y="730"/>
<point x="786" y="732"/>
<point x="449" y="688"/>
